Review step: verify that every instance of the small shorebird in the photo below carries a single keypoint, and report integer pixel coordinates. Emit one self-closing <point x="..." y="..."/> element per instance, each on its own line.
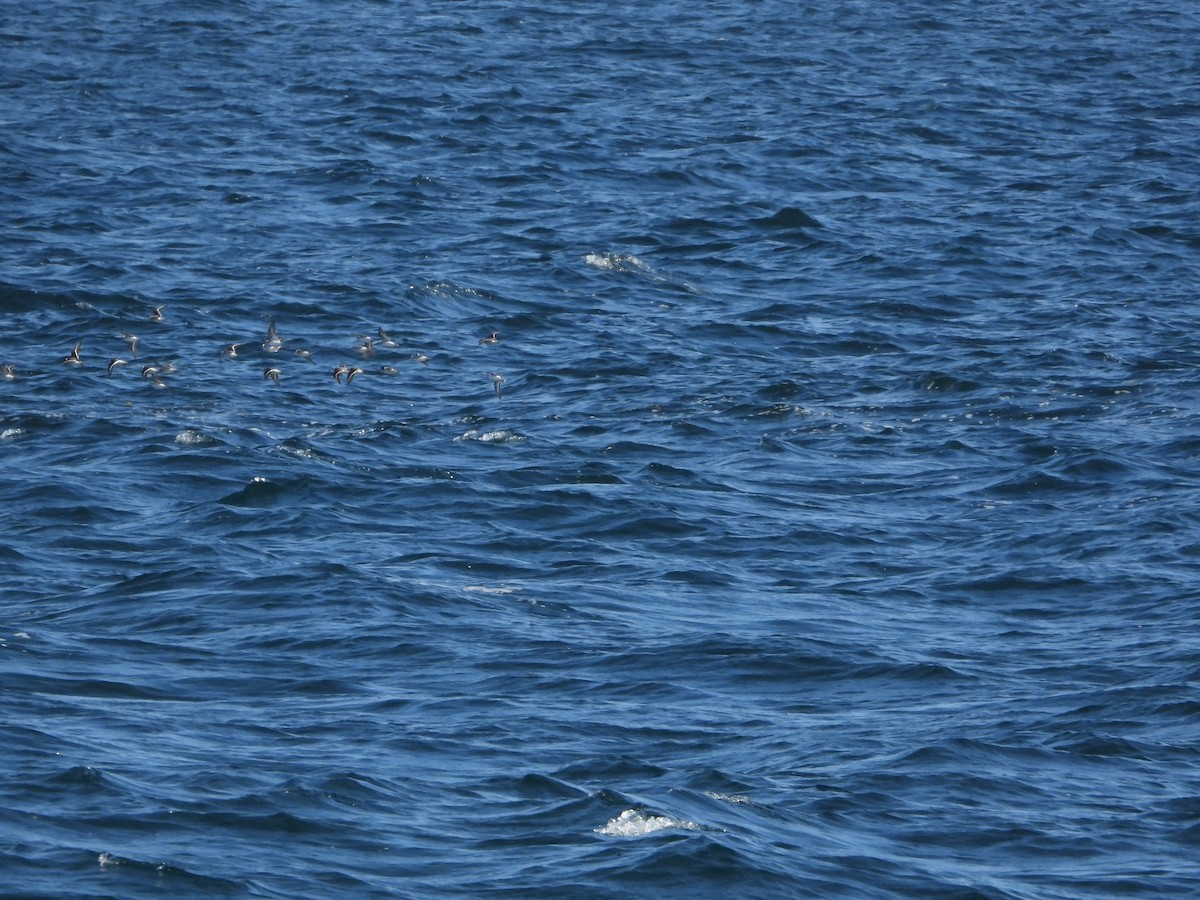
<point x="339" y="372"/>
<point x="388" y="370"/>
<point x="493" y="338"/>
<point x="131" y="340"/>
<point x="272" y="342"/>
<point x="350" y="373"/>
<point x="497" y="380"/>
<point x="72" y="358"/>
<point x="152" y="372"/>
<point x="272" y="373"/>
<point x="157" y="315"/>
<point x="420" y="357"/>
<point x="305" y="354"/>
<point x="367" y="350"/>
<point x="231" y="351"/>
<point x="113" y="363"/>
<point x="7" y="372"/>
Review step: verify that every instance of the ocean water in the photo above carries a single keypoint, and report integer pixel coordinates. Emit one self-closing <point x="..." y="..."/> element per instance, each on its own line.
<point x="824" y="522"/>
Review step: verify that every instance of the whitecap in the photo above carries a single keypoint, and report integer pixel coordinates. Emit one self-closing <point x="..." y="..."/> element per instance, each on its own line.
<point x="616" y="262"/>
<point x="635" y="823"/>
<point x="191" y="436"/>
<point x="628" y="263"/>
<point x="10" y="433"/>
<point x="490" y="437"/>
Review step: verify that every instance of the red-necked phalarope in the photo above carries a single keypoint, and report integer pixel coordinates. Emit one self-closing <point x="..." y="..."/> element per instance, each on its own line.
<point x="152" y="372"/>
<point x="272" y="342"/>
<point x="493" y="338"/>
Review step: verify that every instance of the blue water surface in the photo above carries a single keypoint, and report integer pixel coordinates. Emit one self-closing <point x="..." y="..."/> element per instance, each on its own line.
<point x="823" y="519"/>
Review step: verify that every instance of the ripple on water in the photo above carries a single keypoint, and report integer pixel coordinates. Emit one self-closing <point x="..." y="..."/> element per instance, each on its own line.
<point x="834" y="533"/>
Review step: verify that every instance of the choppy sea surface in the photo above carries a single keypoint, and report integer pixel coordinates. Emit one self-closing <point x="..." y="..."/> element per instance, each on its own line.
<point x="824" y="519"/>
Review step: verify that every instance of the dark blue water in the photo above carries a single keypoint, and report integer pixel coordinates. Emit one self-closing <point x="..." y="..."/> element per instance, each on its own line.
<point x="835" y="528"/>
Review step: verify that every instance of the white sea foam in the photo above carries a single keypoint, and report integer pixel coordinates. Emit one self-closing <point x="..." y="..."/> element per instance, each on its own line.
<point x="191" y="436"/>
<point x="635" y="823"/>
<point x="490" y="437"/>
<point x="9" y="433"/>
<point x="616" y="262"/>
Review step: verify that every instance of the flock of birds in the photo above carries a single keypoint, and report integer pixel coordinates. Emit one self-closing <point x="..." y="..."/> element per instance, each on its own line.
<point x="271" y="343"/>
